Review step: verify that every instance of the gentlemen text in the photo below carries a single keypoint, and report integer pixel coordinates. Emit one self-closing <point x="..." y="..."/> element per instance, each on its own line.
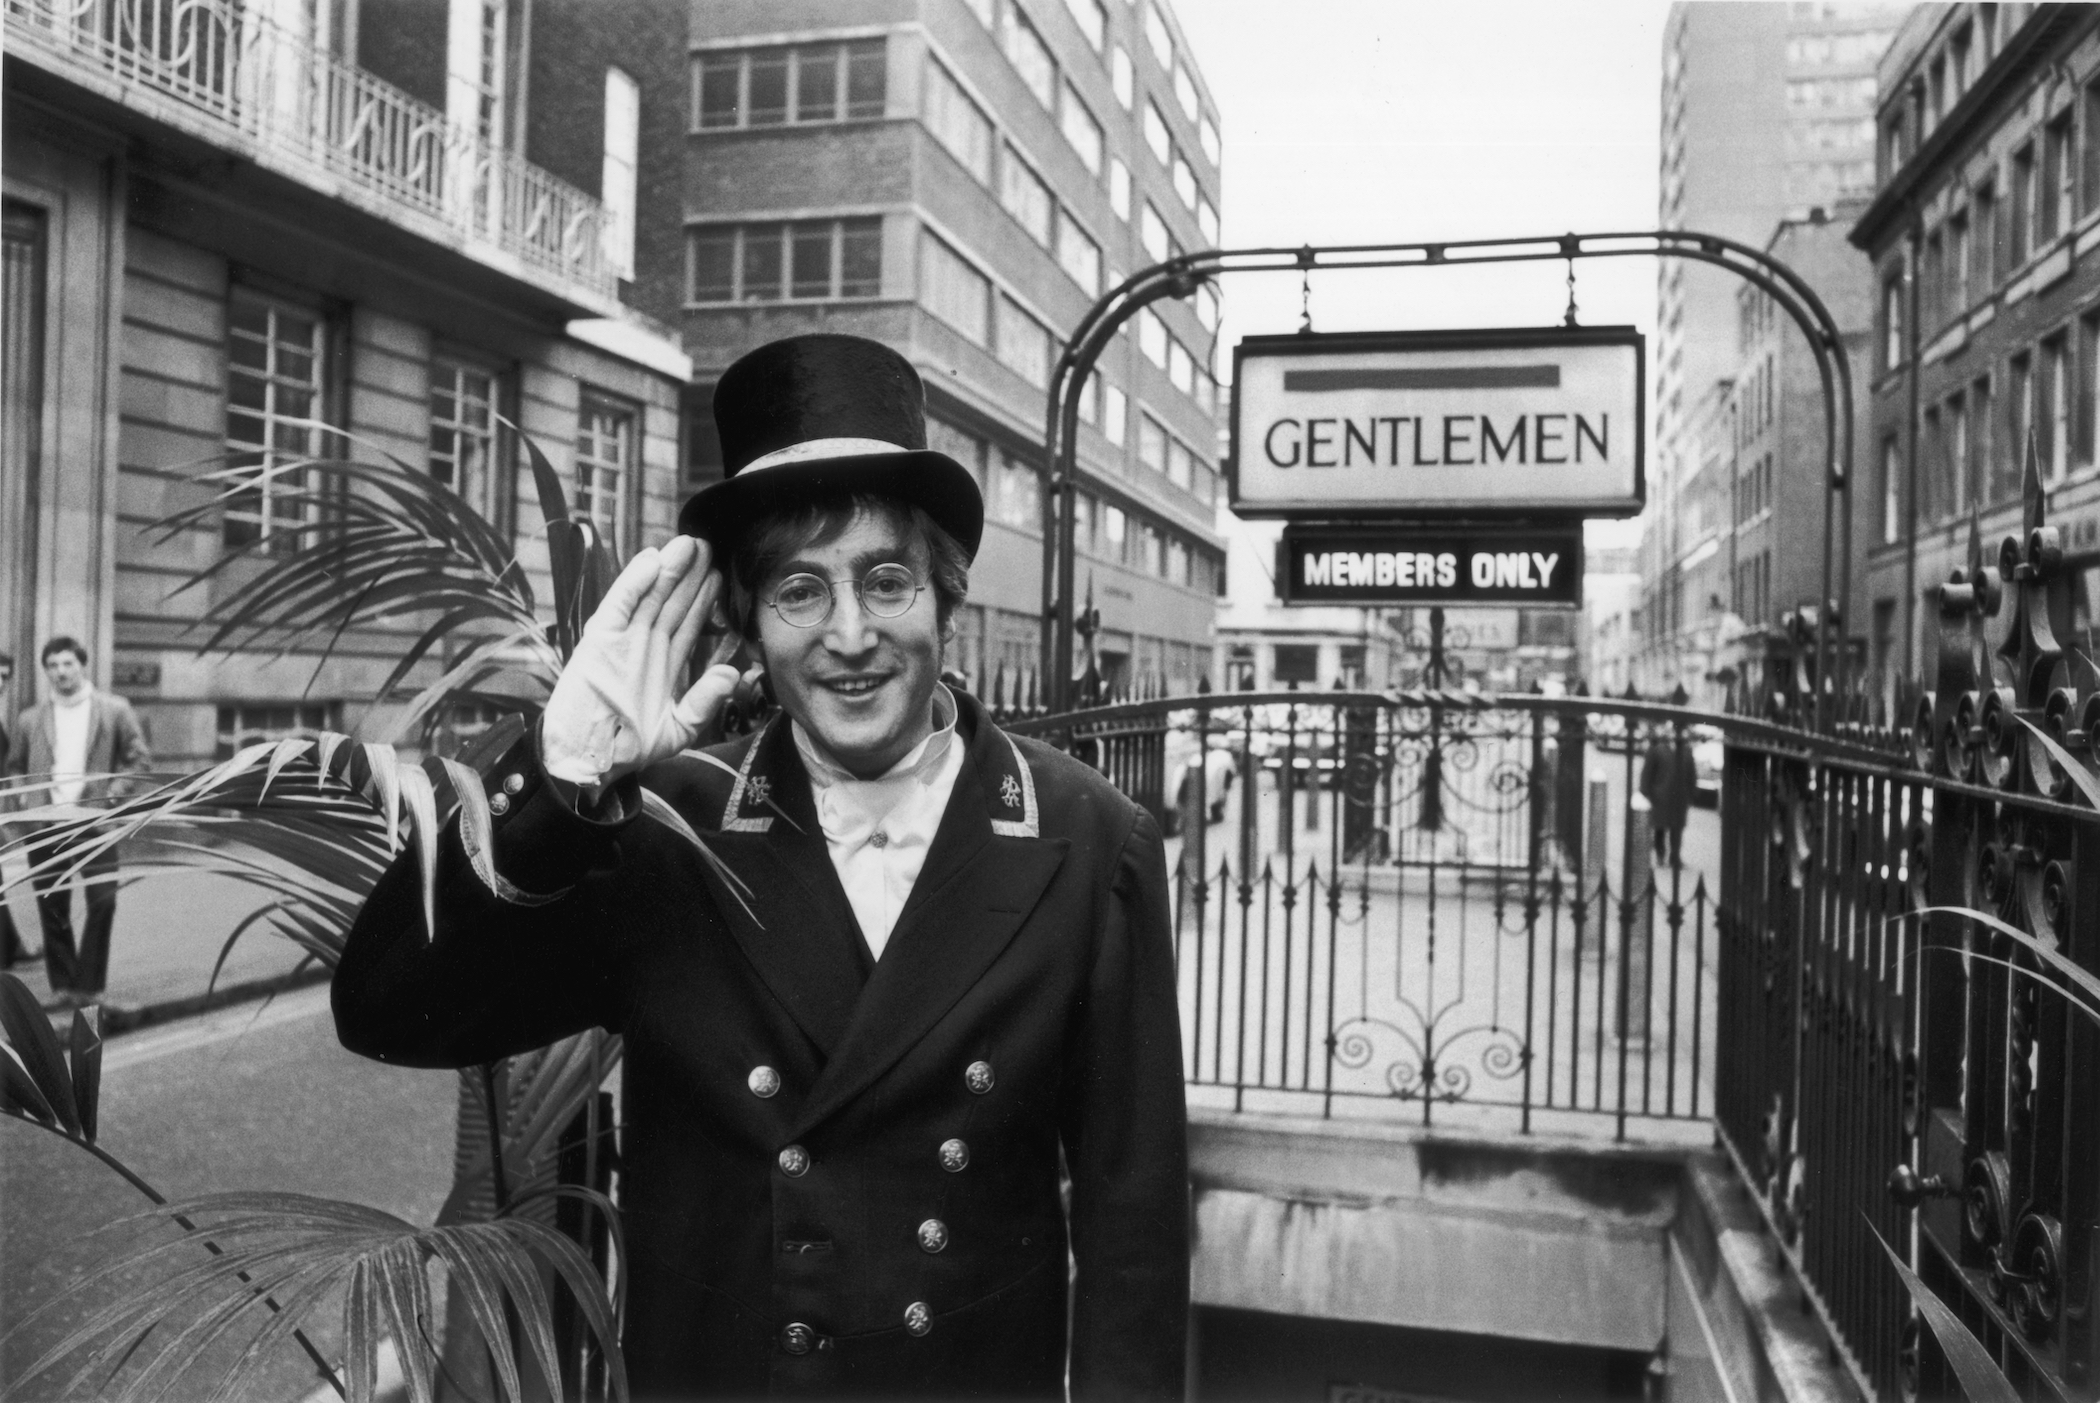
<point x="1440" y="441"/>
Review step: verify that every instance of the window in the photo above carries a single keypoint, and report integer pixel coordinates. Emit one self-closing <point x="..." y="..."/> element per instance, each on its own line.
<point x="1984" y="236"/>
<point x="1078" y="254"/>
<point x="1152" y="233"/>
<point x="1158" y="36"/>
<point x="1121" y="77"/>
<point x="1891" y="489"/>
<point x="1178" y="462"/>
<point x="953" y="290"/>
<point x="605" y="445"/>
<point x="2088" y="446"/>
<point x="1208" y="309"/>
<point x="2052" y="213"/>
<point x="2019" y="421"/>
<point x="1983" y="430"/>
<point x="1081" y="130"/>
<point x="2019" y="239"/>
<point x="1025" y="196"/>
<point x="1239" y="668"/>
<point x="273" y="384"/>
<point x="2053" y="410"/>
<point x="251" y="724"/>
<point x="1152" y="443"/>
<point x="1024" y="344"/>
<point x="1958" y="71"/>
<point x="1297" y="662"/>
<point x="1892" y="321"/>
<point x="1932" y="270"/>
<point x="1181" y="367"/>
<point x="1185" y="93"/>
<point x="1177" y="561"/>
<point x="1956" y="297"/>
<point x="1207" y="138"/>
<point x="2089" y="177"/>
<point x="1184" y="181"/>
<point x="623" y="137"/>
<point x="1090" y="400"/>
<point x="1119" y="187"/>
<point x="1207" y="222"/>
<point x="809" y="259"/>
<point x="1156" y="133"/>
<point x="1018" y="501"/>
<point x="1029" y="55"/>
<point x="1957" y="467"/>
<point x="1115" y="417"/>
<point x="1930" y="476"/>
<point x="807" y="83"/>
<point x="1115" y="532"/>
<point x="958" y="123"/>
<point x="1152" y="337"/>
<point x="1091" y="19"/>
<point x="463" y="432"/>
<point x="965" y="448"/>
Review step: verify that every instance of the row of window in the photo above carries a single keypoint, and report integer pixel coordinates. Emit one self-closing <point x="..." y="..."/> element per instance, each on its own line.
<point x="2051" y="180"/>
<point x="1751" y="589"/>
<point x="1031" y="58"/>
<point x="1973" y="443"/>
<point x="779" y="86"/>
<point x="1102" y="530"/>
<point x="1187" y="373"/>
<point x="1940" y="83"/>
<point x="777" y="260"/>
<point x="277" y="355"/>
<point x="1750" y="492"/>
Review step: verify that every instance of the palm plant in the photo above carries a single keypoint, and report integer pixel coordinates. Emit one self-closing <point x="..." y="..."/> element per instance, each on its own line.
<point x="312" y="822"/>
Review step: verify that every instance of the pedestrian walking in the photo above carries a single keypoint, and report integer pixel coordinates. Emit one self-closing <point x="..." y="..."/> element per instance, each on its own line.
<point x="1667" y="777"/>
<point x="934" y="977"/>
<point x="12" y="951"/>
<point x="82" y="740"/>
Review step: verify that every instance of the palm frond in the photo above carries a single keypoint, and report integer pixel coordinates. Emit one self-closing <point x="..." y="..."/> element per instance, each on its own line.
<point x="300" y="1250"/>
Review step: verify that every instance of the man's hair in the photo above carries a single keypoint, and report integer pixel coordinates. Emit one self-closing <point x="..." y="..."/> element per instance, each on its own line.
<point x="64" y="643"/>
<point x="774" y="538"/>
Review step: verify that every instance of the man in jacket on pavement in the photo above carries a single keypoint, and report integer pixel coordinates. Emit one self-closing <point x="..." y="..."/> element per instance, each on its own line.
<point x="932" y="977"/>
<point x="78" y="737"/>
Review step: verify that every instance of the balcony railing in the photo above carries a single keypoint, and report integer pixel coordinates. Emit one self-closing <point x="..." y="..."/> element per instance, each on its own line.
<point x="232" y="76"/>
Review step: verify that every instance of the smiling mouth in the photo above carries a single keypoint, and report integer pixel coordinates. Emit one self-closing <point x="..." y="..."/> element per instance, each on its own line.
<point x="855" y="686"/>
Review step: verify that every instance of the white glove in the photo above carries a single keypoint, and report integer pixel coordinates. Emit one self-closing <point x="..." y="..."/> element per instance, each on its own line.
<point x="612" y="712"/>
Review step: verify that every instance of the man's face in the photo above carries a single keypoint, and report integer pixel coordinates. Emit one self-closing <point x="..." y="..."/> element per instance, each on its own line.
<point x="862" y="685"/>
<point x="65" y="672"/>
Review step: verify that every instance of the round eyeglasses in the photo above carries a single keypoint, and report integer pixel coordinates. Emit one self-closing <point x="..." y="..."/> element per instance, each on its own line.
<point x="886" y="592"/>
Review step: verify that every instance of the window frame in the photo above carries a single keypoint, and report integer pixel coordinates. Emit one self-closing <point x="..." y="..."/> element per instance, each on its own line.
<point x="625" y="517"/>
<point x="842" y="52"/>
<point x="271" y="525"/>
<point x="747" y="234"/>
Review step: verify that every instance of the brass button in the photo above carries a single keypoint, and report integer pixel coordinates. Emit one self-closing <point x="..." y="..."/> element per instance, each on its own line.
<point x="978" y="1077"/>
<point x="798" y="1338"/>
<point x="933" y="1235"/>
<point x="513" y="783"/>
<point x="880" y="839"/>
<point x="499" y="804"/>
<point x="954" y="1155"/>
<point x="794" y="1161"/>
<point x="763" y="1081"/>
<point x="918" y="1319"/>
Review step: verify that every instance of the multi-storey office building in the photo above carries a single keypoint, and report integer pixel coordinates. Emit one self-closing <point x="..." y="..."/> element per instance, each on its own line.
<point x="1987" y="314"/>
<point x="231" y="227"/>
<point x="1767" y="114"/>
<point x="961" y="179"/>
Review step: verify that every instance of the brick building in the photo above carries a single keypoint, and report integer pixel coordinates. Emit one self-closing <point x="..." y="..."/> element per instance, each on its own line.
<point x="225" y="220"/>
<point x="961" y="179"/>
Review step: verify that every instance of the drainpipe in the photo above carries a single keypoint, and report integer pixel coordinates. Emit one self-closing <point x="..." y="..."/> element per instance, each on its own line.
<point x="1910" y="507"/>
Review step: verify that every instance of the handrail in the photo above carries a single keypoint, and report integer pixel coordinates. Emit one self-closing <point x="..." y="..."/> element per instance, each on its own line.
<point x="329" y="121"/>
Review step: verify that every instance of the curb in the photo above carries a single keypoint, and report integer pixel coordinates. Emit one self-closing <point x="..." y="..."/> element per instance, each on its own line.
<point x="118" y="1020"/>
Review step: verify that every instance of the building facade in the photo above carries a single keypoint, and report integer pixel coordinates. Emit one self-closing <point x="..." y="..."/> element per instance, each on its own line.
<point x="1987" y="312"/>
<point x="237" y="235"/>
<point x="961" y="179"/>
<point x="1767" y="116"/>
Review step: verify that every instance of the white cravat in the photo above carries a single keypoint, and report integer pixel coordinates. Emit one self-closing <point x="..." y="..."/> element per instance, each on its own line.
<point x="878" y="830"/>
<point x="69" y="746"/>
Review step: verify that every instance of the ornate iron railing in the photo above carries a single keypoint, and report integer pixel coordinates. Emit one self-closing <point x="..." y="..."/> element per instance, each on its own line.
<point x="236" y="77"/>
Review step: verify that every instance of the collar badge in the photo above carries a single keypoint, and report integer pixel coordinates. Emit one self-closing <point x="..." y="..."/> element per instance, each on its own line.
<point x="1010" y="791"/>
<point x="759" y="788"/>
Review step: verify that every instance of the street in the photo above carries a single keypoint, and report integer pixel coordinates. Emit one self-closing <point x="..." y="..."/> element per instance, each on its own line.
<point x="256" y="1097"/>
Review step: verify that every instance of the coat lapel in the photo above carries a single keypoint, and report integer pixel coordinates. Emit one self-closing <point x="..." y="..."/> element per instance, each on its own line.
<point x="979" y="883"/>
<point x="800" y="933"/>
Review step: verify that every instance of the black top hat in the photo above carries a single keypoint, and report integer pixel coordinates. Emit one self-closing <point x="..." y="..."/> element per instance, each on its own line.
<point x="827" y="413"/>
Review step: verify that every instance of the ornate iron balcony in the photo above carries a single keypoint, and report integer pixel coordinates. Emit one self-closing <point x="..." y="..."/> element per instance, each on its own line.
<point x="219" y="71"/>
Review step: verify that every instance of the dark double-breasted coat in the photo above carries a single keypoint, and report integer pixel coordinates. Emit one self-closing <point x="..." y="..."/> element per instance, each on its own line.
<point x="840" y="1176"/>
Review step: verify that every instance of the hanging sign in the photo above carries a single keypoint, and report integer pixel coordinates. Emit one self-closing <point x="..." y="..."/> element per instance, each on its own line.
<point x="1476" y="424"/>
<point x="1410" y="563"/>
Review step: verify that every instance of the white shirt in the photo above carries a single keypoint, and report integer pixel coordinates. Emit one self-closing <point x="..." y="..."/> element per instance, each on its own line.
<point x="69" y="745"/>
<point x="878" y="830"/>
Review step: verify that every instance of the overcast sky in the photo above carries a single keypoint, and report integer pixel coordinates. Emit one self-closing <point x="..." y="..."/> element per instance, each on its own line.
<point x="1357" y="121"/>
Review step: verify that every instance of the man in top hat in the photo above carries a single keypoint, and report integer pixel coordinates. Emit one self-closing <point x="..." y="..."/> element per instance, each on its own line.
<point x="937" y="981"/>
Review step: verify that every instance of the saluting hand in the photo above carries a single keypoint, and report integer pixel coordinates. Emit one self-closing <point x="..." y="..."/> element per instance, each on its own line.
<point x="613" y="712"/>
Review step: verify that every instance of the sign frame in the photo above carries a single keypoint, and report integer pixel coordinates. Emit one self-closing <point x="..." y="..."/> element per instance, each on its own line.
<point x="1568" y="595"/>
<point x="1467" y="339"/>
